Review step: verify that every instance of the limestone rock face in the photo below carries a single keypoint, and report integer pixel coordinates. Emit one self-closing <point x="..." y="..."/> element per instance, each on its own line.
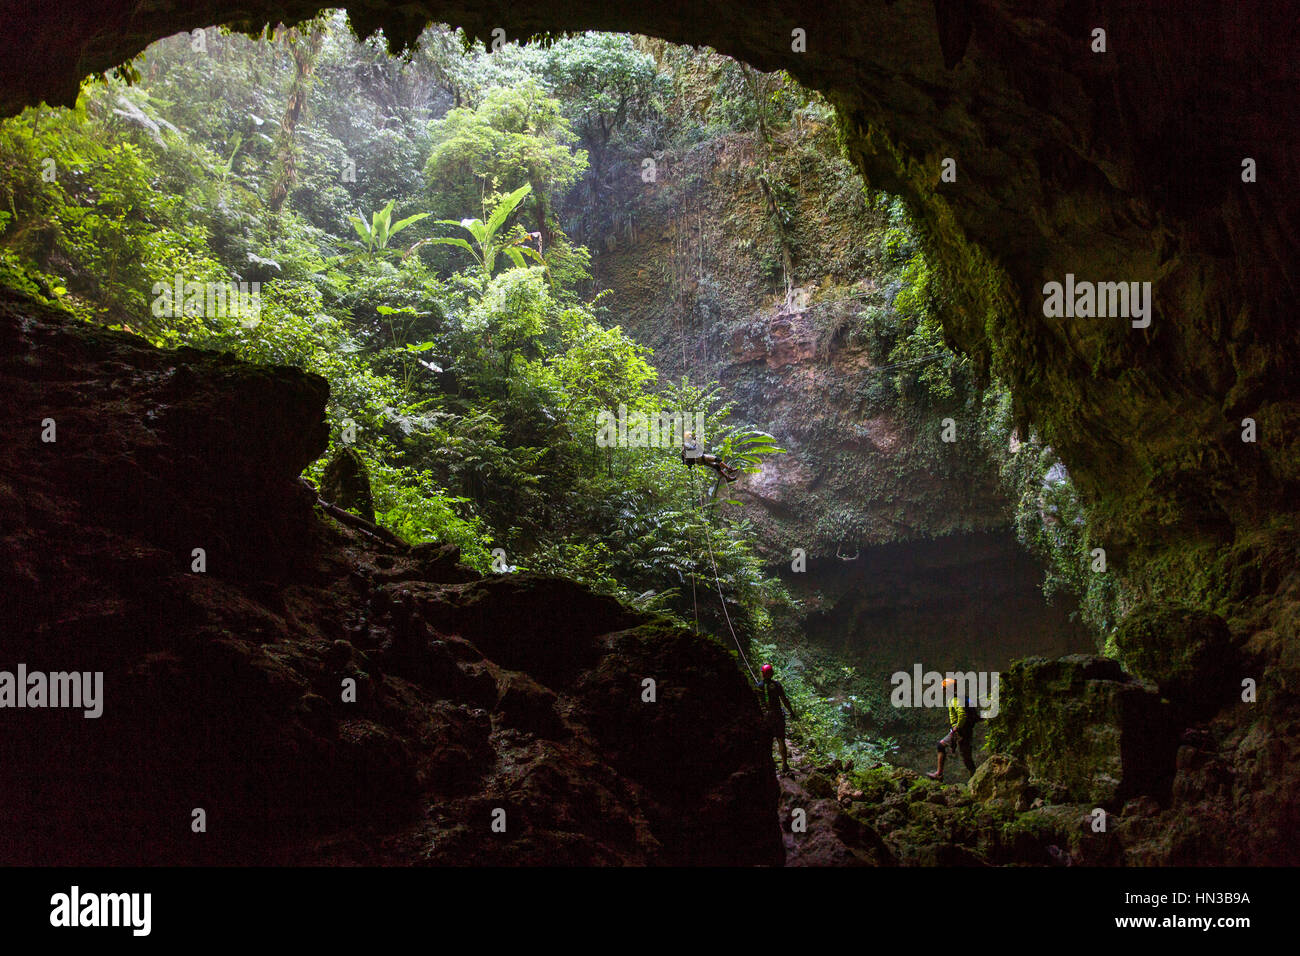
<point x="1188" y="654"/>
<point x="322" y="695"/>
<point x="803" y="365"/>
<point x="1004" y="779"/>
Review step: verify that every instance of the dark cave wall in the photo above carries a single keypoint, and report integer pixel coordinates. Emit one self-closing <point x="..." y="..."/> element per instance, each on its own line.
<point x="224" y="689"/>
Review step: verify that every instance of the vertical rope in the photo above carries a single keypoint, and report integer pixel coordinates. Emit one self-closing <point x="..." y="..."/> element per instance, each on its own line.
<point x="718" y="583"/>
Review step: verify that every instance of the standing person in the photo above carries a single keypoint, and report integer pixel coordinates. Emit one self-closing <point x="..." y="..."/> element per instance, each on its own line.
<point x="774" y="700"/>
<point x="962" y="715"/>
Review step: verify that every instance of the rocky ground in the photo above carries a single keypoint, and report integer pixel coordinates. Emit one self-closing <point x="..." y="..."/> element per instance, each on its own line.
<point x="885" y="816"/>
<point x="1113" y="774"/>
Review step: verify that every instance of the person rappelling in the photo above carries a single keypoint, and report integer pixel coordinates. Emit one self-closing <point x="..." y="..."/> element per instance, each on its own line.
<point x="692" y="453"/>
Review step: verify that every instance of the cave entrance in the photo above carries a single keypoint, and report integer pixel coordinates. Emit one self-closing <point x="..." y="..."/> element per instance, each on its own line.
<point x="770" y="286"/>
<point x="964" y="603"/>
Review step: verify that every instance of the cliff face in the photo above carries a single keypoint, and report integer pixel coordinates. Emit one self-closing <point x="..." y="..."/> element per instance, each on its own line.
<point x="321" y="694"/>
<point x="936" y="576"/>
<point x="695" y="267"/>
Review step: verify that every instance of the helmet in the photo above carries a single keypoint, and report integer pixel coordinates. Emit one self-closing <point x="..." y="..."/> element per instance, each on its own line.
<point x="767" y="670"/>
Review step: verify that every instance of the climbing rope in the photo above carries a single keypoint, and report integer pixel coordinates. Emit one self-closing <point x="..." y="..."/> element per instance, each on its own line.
<point x="717" y="581"/>
<point x="695" y="601"/>
<point x="916" y="361"/>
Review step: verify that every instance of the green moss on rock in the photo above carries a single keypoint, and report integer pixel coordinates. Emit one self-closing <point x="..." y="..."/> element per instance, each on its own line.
<point x="1081" y="722"/>
<point x="1188" y="653"/>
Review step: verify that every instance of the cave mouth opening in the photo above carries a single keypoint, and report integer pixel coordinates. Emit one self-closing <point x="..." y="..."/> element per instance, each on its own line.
<point x="897" y="633"/>
<point x="1043" y="119"/>
<point x="963" y="604"/>
<point x="1070" y="163"/>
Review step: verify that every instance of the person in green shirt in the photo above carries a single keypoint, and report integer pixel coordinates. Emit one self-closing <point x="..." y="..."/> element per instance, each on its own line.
<point x="961" y="731"/>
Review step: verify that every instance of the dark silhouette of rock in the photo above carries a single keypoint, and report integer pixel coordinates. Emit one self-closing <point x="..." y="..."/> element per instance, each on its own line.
<point x="323" y="695"/>
<point x="1083" y="723"/>
<point x="346" y="483"/>
<point x="1188" y="654"/>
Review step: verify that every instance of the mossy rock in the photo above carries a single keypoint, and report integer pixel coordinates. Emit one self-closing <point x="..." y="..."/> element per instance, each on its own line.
<point x="1187" y="653"/>
<point x="819" y="785"/>
<point x="346" y="483"/>
<point x="1024" y="838"/>
<point x="1002" y="779"/>
<point x="1081" y="722"/>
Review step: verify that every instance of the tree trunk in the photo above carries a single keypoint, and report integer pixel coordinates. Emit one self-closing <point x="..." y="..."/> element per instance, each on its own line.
<point x="304" y="51"/>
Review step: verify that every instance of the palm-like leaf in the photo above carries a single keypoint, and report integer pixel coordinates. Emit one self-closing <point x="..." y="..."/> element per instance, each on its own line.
<point x="505" y="207"/>
<point x="381" y="221"/>
<point x="485" y="234"/>
<point x="451" y="241"/>
<point x="409" y="220"/>
<point x="362" y="229"/>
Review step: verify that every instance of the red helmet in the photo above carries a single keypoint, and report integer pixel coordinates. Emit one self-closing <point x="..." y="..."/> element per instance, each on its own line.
<point x="767" y="670"/>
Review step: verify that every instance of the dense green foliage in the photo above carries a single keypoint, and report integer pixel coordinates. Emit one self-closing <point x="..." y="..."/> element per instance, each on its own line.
<point x="402" y="223"/>
<point x="835" y="704"/>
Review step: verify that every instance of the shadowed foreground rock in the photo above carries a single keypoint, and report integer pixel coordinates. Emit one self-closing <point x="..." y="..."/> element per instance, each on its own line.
<point x="223" y="690"/>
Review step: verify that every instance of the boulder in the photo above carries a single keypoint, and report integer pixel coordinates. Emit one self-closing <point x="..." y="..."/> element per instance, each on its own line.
<point x="1188" y="654"/>
<point x="1082" y="723"/>
<point x="819" y="785"/>
<point x="324" y="695"/>
<point x="527" y="705"/>
<point x="1003" y="779"/>
<point x="346" y="483"/>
